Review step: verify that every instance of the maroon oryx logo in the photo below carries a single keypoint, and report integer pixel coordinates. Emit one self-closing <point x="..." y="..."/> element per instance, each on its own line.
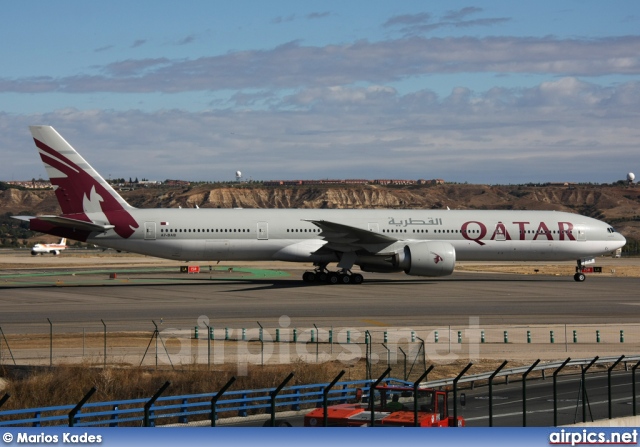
<point x="76" y="189"/>
<point x="437" y="258"/>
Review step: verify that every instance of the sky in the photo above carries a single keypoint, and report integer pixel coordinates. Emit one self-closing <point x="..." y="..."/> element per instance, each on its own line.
<point x="496" y="92"/>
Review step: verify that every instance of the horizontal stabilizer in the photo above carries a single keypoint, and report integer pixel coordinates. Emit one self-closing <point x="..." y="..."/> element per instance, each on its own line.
<point x="23" y="218"/>
<point x="67" y="222"/>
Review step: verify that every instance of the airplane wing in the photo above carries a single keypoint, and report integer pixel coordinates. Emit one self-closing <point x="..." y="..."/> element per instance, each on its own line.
<point x="346" y="238"/>
<point x="67" y="222"/>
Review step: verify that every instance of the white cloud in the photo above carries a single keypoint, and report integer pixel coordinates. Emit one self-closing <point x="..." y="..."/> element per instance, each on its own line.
<point x="294" y="66"/>
<point x="340" y="95"/>
<point x="565" y="129"/>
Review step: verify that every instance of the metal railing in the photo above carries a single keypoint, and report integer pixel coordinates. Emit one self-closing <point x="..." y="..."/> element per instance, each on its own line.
<point x="185" y="408"/>
<point x="266" y="401"/>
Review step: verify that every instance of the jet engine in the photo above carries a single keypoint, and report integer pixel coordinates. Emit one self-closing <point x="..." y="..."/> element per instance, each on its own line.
<point x="427" y="258"/>
<point x="430" y="258"/>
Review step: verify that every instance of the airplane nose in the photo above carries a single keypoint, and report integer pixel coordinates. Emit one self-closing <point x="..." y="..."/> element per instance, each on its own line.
<point x="621" y="239"/>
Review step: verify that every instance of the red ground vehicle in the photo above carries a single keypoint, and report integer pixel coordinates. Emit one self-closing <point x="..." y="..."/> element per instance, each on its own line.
<point x="393" y="406"/>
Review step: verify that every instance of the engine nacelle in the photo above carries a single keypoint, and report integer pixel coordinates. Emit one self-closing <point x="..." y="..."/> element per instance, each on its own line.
<point x="428" y="258"/>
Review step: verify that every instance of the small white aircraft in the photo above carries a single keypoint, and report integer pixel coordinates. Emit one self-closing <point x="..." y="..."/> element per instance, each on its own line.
<point x="417" y="242"/>
<point x="54" y="249"/>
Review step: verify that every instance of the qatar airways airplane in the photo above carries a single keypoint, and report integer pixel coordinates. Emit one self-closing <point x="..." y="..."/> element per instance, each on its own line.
<point x="417" y="242"/>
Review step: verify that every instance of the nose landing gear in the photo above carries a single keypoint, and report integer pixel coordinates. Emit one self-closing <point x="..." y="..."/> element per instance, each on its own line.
<point x="579" y="276"/>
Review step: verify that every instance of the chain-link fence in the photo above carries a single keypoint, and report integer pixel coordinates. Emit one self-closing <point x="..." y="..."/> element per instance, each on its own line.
<point x="405" y="349"/>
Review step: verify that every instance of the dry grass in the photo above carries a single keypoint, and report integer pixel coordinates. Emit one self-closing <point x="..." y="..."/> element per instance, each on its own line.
<point x="63" y="385"/>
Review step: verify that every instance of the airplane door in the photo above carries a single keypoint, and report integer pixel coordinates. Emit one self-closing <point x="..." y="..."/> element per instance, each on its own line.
<point x="374" y="227"/>
<point x="581" y="232"/>
<point x="263" y="230"/>
<point x="150" y="231"/>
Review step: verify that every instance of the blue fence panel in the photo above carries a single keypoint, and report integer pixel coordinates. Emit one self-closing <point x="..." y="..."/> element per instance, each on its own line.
<point x="184" y="407"/>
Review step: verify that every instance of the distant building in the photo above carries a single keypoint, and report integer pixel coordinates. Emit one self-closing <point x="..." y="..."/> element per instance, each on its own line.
<point x="394" y="182"/>
<point x="331" y="182"/>
<point x="282" y="183"/>
<point x="350" y="182"/>
<point x="31" y="184"/>
<point x="353" y="181"/>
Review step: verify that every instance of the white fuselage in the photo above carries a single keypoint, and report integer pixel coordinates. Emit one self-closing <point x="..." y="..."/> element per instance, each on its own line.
<point x="54" y="249"/>
<point x="287" y="234"/>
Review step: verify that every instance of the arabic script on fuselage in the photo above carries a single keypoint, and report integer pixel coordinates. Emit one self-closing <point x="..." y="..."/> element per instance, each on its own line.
<point x="407" y="222"/>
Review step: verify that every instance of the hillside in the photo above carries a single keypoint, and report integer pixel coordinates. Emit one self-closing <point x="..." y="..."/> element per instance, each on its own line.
<point x="617" y="204"/>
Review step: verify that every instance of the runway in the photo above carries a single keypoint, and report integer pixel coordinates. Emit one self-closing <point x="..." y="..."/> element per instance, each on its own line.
<point x="244" y="297"/>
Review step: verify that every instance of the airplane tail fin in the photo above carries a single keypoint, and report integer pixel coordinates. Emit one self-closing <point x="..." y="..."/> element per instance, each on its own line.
<point x="74" y="180"/>
<point x="63" y="242"/>
<point x="88" y="202"/>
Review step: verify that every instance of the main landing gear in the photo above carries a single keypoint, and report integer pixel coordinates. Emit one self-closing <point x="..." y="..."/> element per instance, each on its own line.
<point x="579" y="276"/>
<point x="322" y="275"/>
